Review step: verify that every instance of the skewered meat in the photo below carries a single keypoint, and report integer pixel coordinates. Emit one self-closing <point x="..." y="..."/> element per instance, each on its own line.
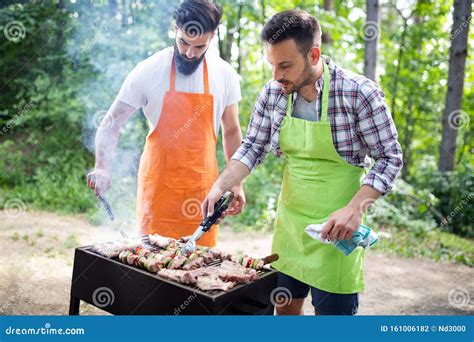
<point x="132" y="259"/>
<point x="112" y="250"/>
<point x="158" y="240"/>
<point x="194" y="263"/>
<point x="191" y="269"/>
<point x="208" y="257"/>
<point x="155" y="263"/>
<point x="177" y="262"/>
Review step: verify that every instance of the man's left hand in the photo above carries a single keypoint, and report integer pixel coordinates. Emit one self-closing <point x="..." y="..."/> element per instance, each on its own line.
<point x="342" y="224"/>
<point x="239" y="201"/>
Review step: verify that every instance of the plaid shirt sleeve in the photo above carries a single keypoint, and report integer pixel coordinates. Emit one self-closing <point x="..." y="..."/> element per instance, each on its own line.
<point x="257" y="142"/>
<point x="377" y="130"/>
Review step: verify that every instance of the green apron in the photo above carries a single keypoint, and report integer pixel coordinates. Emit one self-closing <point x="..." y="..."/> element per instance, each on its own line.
<point x="316" y="183"/>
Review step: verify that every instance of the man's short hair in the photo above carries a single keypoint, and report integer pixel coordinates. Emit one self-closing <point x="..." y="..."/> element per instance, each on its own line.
<point x="298" y="25"/>
<point x="197" y="17"/>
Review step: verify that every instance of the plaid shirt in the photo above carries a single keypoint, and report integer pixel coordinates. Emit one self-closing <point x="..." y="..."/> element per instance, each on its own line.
<point x="361" y="124"/>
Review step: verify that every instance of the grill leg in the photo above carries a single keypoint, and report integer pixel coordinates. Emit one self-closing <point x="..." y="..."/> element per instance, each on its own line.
<point x="74" y="306"/>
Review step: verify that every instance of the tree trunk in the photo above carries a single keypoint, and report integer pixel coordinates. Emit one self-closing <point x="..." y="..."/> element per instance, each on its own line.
<point x="326" y="36"/>
<point x="239" y="36"/>
<point x="407" y="139"/>
<point x="124" y="13"/>
<point x="401" y="50"/>
<point x="61" y="27"/>
<point x="112" y="8"/>
<point x="371" y="37"/>
<point x="453" y="117"/>
<point x="263" y="16"/>
<point x="219" y="42"/>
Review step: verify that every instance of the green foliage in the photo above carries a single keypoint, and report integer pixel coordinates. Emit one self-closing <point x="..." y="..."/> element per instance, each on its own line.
<point x="64" y="72"/>
<point x="68" y="68"/>
<point x="432" y="244"/>
<point x="455" y="193"/>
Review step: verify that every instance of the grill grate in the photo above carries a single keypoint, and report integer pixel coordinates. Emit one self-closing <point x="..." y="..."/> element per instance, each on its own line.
<point x="156" y="249"/>
<point x="137" y="291"/>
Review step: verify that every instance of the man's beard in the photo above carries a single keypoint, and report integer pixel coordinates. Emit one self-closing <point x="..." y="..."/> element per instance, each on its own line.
<point x="305" y="77"/>
<point x="186" y="66"/>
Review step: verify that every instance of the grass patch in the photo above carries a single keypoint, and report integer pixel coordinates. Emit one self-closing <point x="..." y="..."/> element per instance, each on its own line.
<point x="15" y="236"/>
<point x="70" y="242"/>
<point x="433" y="244"/>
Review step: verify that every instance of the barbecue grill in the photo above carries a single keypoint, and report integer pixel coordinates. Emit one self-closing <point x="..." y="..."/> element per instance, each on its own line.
<point x="122" y="289"/>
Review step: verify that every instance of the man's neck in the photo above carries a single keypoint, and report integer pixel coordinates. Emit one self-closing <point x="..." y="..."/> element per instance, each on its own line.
<point x="308" y="91"/>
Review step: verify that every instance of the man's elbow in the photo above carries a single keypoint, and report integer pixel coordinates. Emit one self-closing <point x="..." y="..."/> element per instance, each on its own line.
<point x="233" y="133"/>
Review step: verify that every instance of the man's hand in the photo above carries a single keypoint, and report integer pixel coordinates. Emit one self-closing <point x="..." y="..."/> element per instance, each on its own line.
<point x="215" y="194"/>
<point x="342" y="224"/>
<point x="99" y="181"/>
<point x="239" y="201"/>
<point x="230" y="178"/>
<point x="207" y="206"/>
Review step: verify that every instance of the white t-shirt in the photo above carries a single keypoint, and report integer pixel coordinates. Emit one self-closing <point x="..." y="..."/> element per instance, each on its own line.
<point x="146" y="84"/>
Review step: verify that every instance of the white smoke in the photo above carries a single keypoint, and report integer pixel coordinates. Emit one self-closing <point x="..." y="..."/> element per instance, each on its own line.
<point x="112" y="46"/>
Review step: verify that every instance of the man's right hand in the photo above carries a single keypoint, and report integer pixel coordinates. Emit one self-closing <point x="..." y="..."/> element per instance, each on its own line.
<point x="232" y="175"/>
<point x="99" y="181"/>
<point x="211" y="199"/>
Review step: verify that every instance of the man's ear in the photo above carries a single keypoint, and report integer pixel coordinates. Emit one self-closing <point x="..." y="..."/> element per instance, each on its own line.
<point x="314" y="55"/>
<point x="175" y="28"/>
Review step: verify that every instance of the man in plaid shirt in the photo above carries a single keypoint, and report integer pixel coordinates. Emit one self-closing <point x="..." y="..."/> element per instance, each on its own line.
<point x="324" y="164"/>
<point x="361" y="126"/>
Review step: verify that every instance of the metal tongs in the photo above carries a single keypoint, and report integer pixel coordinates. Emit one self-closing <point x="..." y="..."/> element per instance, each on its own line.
<point x="221" y="206"/>
<point x="107" y="206"/>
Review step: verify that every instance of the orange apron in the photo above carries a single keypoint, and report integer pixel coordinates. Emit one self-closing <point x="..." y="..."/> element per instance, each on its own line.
<point x="178" y="165"/>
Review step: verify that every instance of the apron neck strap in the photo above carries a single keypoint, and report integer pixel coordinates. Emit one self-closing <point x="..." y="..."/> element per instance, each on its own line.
<point x="289" y="107"/>
<point x="173" y="76"/>
<point x="325" y="98"/>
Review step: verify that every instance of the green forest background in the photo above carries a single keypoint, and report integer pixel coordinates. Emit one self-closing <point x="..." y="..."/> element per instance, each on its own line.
<point x="62" y="70"/>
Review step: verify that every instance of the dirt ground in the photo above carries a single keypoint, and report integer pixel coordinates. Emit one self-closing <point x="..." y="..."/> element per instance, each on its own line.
<point x="37" y="248"/>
